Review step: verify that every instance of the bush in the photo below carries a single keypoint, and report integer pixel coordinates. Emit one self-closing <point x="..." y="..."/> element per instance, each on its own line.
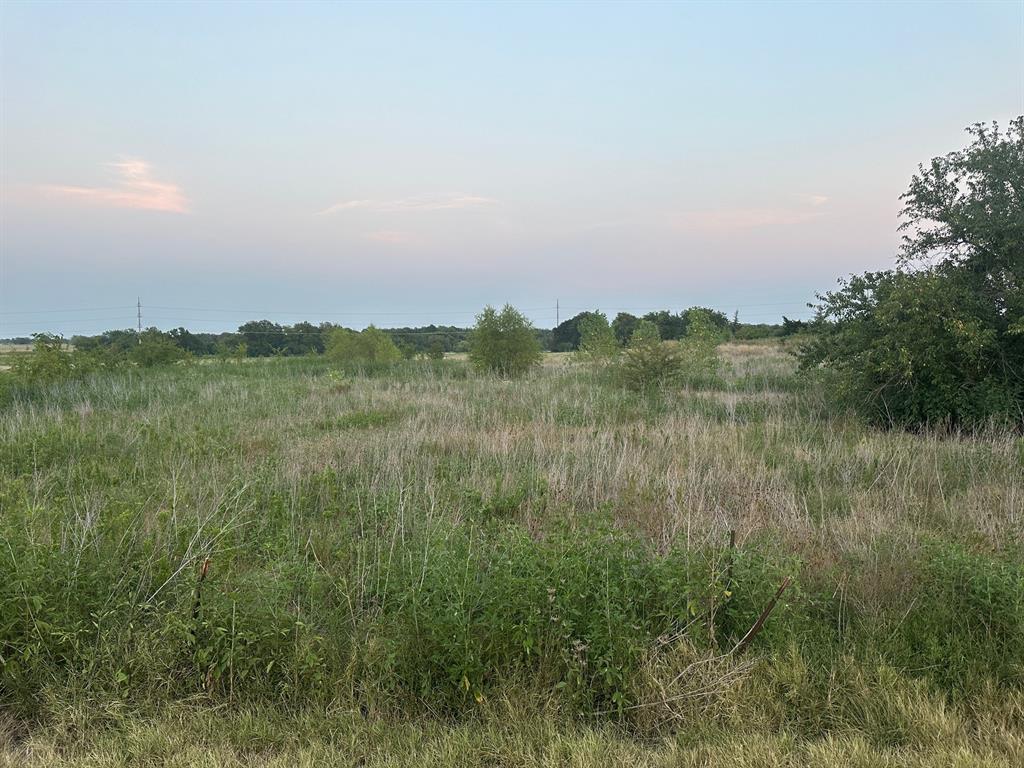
<point x="941" y="339"/>
<point x="436" y="350"/>
<point x="155" y="348"/>
<point x="50" y="360"/>
<point x="360" y="348"/>
<point x="911" y="349"/>
<point x="699" y="347"/>
<point x="504" y="342"/>
<point x="650" y="363"/>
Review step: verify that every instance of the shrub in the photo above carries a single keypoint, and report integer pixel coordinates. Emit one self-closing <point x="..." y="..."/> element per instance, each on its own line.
<point x="368" y="346"/>
<point x="940" y="340"/>
<point x="436" y="350"/>
<point x="49" y="361"/>
<point x="699" y="347"/>
<point x="911" y="349"/>
<point x="650" y="363"/>
<point x="155" y="348"/>
<point x="504" y="342"/>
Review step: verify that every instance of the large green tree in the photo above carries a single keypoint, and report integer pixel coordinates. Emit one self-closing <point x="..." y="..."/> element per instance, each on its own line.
<point x="940" y="339"/>
<point x="263" y="338"/>
<point x="670" y="326"/>
<point x="565" y="337"/>
<point x="623" y="326"/>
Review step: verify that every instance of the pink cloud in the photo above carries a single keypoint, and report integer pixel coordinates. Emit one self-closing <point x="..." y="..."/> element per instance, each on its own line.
<point x="135" y="188"/>
<point x="814" y="200"/>
<point x="726" y="219"/>
<point x="410" y="204"/>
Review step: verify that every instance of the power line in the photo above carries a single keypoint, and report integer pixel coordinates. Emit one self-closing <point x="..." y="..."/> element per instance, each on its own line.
<point x="360" y="313"/>
<point x="124" y="319"/>
<point x="473" y="312"/>
<point x="49" y="311"/>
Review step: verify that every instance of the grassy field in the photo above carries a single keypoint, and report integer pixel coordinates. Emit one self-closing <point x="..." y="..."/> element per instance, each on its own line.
<point x="280" y="563"/>
<point x="8" y="352"/>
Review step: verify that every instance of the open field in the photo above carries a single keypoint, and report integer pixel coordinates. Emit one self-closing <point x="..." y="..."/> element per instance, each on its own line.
<point x="280" y="563"/>
<point x="8" y="352"/>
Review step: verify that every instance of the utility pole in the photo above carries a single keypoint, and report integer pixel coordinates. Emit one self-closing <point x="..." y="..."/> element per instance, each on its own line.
<point x="138" y="307"/>
<point x="557" y="317"/>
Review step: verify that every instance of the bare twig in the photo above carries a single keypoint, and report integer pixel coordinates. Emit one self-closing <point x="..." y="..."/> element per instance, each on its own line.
<point x="756" y="628"/>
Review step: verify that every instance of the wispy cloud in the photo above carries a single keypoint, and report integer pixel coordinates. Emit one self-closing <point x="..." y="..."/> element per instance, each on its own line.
<point x="726" y="219"/>
<point x="391" y="237"/>
<point x="814" y="200"/>
<point x="134" y="187"/>
<point x="740" y="218"/>
<point x="411" y="204"/>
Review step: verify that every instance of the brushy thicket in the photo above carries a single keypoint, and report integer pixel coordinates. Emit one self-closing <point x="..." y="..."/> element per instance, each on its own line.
<point x="939" y="342"/>
<point x="650" y="364"/>
<point x="370" y="346"/>
<point x="447" y="617"/>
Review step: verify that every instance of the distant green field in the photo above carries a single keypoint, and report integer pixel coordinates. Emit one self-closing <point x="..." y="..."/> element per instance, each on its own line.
<point x="284" y="563"/>
<point x="8" y="353"/>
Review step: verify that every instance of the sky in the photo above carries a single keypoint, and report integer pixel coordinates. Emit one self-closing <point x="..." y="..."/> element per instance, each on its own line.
<point x="405" y="164"/>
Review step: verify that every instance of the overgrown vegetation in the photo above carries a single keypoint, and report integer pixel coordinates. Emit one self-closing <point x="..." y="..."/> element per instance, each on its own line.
<point x="369" y="346"/>
<point x="504" y="342"/>
<point x="436" y="550"/>
<point x="940" y="341"/>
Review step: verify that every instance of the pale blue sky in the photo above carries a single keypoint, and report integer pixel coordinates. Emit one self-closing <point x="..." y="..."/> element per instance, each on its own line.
<point x="408" y="163"/>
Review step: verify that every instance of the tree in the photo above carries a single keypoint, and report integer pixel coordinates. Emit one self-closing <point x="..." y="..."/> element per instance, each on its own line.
<point x="565" y="337"/>
<point x="597" y="341"/>
<point x="699" y="348"/>
<point x="190" y="342"/>
<point x="262" y="338"/>
<point x="303" y="339"/>
<point x="669" y="326"/>
<point x="155" y="348"/>
<point x="435" y="351"/>
<point x="503" y="342"/>
<point x="941" y="338"/>
<point x="623" y="326"/>
<point x="370" y="346"/>
<point x="644" y="334"/>
<point x="790" y="327"/>
<point x="716" y="318"/>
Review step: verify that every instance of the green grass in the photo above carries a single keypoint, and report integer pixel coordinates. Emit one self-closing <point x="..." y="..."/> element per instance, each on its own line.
<point x="418" y="565"/>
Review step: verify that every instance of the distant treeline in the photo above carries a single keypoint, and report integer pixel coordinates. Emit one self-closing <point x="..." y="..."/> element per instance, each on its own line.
<point x="565" y="337"/>
<point x="264" y="338"/>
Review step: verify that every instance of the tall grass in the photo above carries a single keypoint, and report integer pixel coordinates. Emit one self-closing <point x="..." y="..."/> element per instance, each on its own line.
<point x="423" y="547"/>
